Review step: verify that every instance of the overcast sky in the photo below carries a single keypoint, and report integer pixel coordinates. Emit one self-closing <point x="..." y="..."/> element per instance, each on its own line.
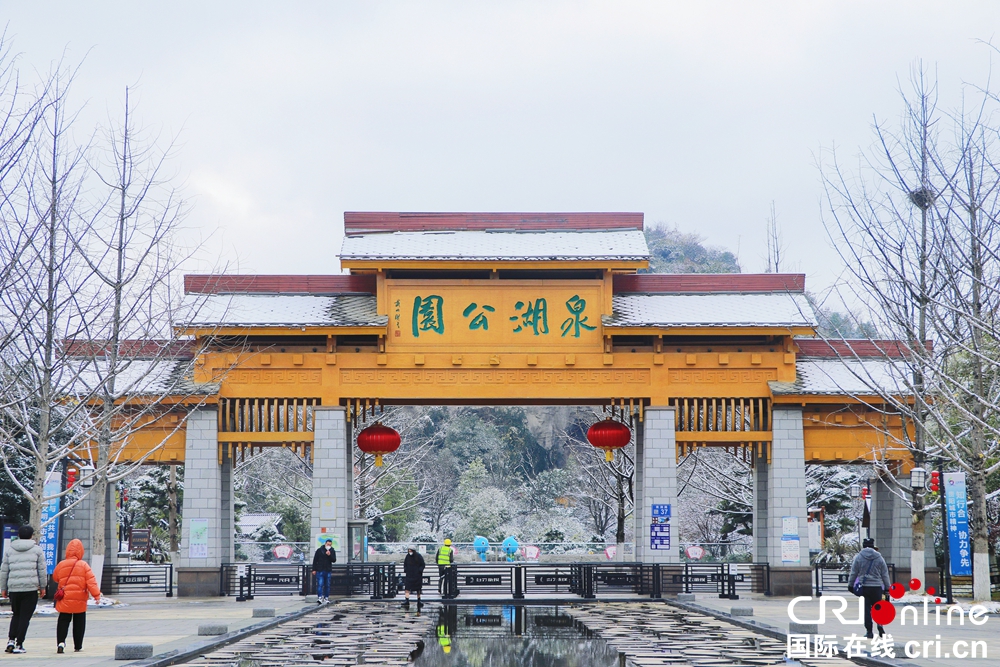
<point x="698" y="114"/>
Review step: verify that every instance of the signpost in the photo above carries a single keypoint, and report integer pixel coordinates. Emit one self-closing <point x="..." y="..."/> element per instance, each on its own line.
<point x="139" y="541"/>
<point x="790" y="552"/>
<point x="659" y="528"/>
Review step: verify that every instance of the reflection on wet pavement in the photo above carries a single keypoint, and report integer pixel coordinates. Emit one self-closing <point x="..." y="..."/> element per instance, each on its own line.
<point x="604" y="634"/>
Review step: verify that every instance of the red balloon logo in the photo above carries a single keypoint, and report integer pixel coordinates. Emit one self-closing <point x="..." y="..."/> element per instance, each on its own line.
<point x="914" y="584"/>
<point x="883" y="612"/>
<point x="931" y="590"/>
<point x="896" y="590"/>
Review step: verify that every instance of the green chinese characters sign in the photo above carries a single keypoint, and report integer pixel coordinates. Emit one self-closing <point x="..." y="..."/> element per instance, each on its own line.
<point x="494" y="316"/>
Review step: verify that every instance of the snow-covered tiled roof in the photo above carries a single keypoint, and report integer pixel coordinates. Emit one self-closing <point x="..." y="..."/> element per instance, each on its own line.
<point x="263" y="310"/>
<point x="250" y="522"/>
<point x="612" y="244"/>
<point x="853" y="377"/>
<point x="143" y="377"/>
<point x="781" y="309"/>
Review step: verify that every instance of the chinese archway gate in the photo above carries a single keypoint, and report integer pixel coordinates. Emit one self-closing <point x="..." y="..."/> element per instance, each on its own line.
<point x="513" y="308"/>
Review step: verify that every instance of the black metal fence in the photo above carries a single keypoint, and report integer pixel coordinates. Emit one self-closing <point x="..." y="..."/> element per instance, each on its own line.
<point x="519" y="580"/>
<point x="248" y="580"/>
<point x="138" y="579"/>
<point x="724" y="579"/>
<point x="834" y="578"/>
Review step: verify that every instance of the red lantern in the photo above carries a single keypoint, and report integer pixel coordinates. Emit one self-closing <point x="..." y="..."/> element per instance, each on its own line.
<point x="71" y="477"/>
<point x="378" y="440"/>
<point x="609" y="435"/>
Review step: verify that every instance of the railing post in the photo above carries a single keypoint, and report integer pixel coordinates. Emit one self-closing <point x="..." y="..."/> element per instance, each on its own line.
<point x="687" y="577"/>
<point x="170" y="580"/>
<point x="657" y="591"/>
<point x="588" y="582"/>
<point x="250" y="581"/>
<point x="518" y="575"/>
<point x="376" y="583"/>
<point x="767" y="578"/>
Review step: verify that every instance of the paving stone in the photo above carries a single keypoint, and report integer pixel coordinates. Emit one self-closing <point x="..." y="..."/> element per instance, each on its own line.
<point x="211" y="629"/>
<point x="136" y="651"/>
<point x="803" y="628"/>
<point x="263" y="612"/>
<point x="741" y="611"/>
<point x="686" y="597"/>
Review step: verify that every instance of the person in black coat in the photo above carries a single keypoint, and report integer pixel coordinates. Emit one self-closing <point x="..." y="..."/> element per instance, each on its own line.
<point x="413" y="571"/>
<point x="322" y="567"/>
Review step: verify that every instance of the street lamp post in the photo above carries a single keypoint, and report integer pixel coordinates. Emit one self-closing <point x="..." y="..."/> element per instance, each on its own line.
<point x="855" y="492"/>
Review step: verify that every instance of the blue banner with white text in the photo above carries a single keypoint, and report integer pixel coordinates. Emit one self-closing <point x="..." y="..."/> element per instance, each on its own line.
<point x="48" y="536"/>
<point x="957" y="510"/>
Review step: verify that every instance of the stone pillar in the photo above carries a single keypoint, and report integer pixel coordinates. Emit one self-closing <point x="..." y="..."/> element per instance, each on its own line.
<point x="208" y="503"/>
<point x="655" y="482"/>
<point x="77" y="524"/>
<point x="891" y="525"/>
<point x="780" y="506"/>
<point x="333" y="484"/>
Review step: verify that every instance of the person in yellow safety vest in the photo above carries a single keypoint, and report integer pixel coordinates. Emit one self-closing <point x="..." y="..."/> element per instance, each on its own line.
<point x="445" y="558"/>
<point x="443" y="639"/>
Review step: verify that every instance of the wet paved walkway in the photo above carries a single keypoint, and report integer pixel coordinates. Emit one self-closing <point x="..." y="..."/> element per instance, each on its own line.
<point x="648" y="634"/>
<point x="167" y="623"/>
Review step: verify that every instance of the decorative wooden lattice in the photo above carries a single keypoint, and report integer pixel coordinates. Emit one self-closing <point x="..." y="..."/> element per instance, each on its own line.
<point x="741" y="426"/>
<point x="247" y="425"/>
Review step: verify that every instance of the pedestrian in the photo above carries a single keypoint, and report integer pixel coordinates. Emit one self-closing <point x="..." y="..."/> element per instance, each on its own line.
<point x="323" y="562"/>
<point x="413" y="571"/>
<point x="22" y="578"/>
<point x="869" y="571"/>
<point x="445" y="559"/>
<point x="76" y="583"/>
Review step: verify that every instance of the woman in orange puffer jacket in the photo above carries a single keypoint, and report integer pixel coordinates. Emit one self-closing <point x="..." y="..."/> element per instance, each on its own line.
<point x="77" y="580"/>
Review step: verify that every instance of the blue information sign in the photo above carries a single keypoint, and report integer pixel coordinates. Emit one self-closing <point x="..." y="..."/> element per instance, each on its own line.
<point x="659" y="535"/>
<point x="48" y="539"/>
<point x="662" y="511"/>
<point x="956" y="506"/>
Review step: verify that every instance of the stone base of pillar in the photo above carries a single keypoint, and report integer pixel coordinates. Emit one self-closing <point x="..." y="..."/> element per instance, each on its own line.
<point x="198" y="582"/>
<point x="932" y="577"/>
<point x="792" y="581"/>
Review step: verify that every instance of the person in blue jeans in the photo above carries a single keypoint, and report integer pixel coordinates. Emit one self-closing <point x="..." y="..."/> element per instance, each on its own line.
<point x="322" y="567"/>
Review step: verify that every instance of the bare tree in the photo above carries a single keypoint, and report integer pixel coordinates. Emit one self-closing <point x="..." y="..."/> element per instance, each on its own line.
<point x="374" y="485"/>
<point x="775" y="248"/>
<point x="133" y="362"/>
<point x="883" y="223"/>
<point x="918" y="231"/>
<point x="45" y="301"/>
<point x="607" y="483"/>
<point x="969" y="397"/>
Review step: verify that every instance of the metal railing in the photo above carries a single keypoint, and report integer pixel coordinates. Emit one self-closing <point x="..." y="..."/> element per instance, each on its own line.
<point x="263" y="552"/>
<point x="138" y="578"/>
<point x="835" y="577"/>
<point x="519" y="580"/>
<point x="725" y="579"/>
<point x="246" y="580"/>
